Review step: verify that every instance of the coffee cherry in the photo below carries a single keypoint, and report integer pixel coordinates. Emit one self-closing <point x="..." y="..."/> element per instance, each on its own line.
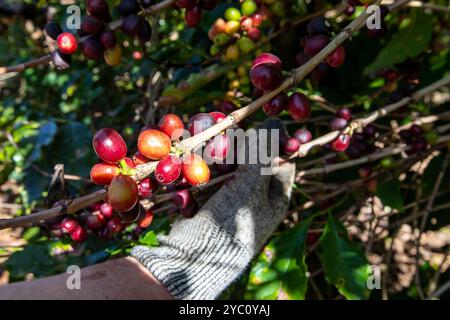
<point x="369" y="132"/>
<point x="67" y="43"/>
<point x="195" y="170"/>
<point x="95" y="221"/>
<point x="217" y="116"/>
<point x="337" y="57"/>
<point x="303" y="135"/>
<point x="232" y="14"/>
<point x="349" y="10"/>
<point x="245" y="45"/>
<point x="344" y="113"/>
<point x="276" y="105"/>
<point x="217" y="149"/>
<point x="338" y="124"/>
<point x="106" y="210"/>
<point x="246" y="23"/>
<point x="171" y="125"/>
<point x="317" y="26"/>
<point x="182" y="198"/>
<point x="232" y="27"/>
<point x="113" y="56"/>
<point x="227" y="107"/>
<point x="185" y="4"/>
<point x="145" y="188"/>
<point x="168" y="169"/>
<point x="132" y="215"/>
<point x="146" y="220"/>
<point x="132" y="25"/>
<point x="254" y="34"/>
<point x="114" y="225"/>
<point x="123" y="193"/>
<point x="52" y="29"/>
<point x="146" y="33"/>
<point x="127" y="7"/>
<point x="257" y="19"/>
<point x="190" y="211"/>
<point x="92" y="48"/>
<point x="60" y="60"/>
<point x="108" y="39"/>
<point x="92" y="25"/>
<point x="109" y="145"/>
<point x="248" y="7"/>
<point x="299" y="107"/>
<point x="79" y="234"/>
<point x="139" y="159"/>
<point x="365" y="171"/>
<point x="320" y="71"/>
<point x="291" y="145"/>
<point x="103" y="173"/>
<point x="420" y="144"/>
<point x="68" y="225"/>
<point x="415" y="130"/>
<point x="98" y="8"/>
<point x="266" y="76"/>
<point x="154" y="144"/>
<point x="315" y="44"/>
<point x="199" y="123"/>
<point x="341" y="143"/>
<point x="267" y="58"/>
<point x="193" y="16"/>
<point x="232" y="53"/>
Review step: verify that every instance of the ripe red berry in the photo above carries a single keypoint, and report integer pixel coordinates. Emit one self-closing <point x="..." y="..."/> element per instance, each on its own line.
<point x="227" y="107"/>
<point x="131" y="216"/>
<point x="315" y="44"/>
<point x="79" y="234"/>
<point x="127" y="7"/>
<point x="266" y="76"/>
<point x="318" y="25"/>
<point x="257" y="19"/>
<point x="145" y="188"/>
<point x="68" y="225"/>
<point x="341" y="143"/>
<point x="267" y="58"/>
<point x="415" y="130"/>
<point x="92" y="25"/>
<point x="303" y="135"/>
<point x="217" y="149"/>
<point x="185" y="4"/>
<point x="276" y="105"/>
<point x="337" y="57"/>
<point x="98" y="8"/>
<point x="154" y="144"/>
<point x="246" y="23"/>
<point x="171" y="125"/>
<point x="109" y="145"/>
<point x="320" y="71"/>
<point x="217" y="116"/>
<point x="182" y="198"/>
<point x="291" y="145"/>
<point x="344" y="113"/>
<point x="254" y="34"/>
<point x="168" y="169"/>
<point x="146" y="220"/>
<point x="365" y="172"/>
<point x="123" y="193"/>
<point x="299" y="107"/>
<point x="193" y="16"/>
<point x="106" y="210"/>
<point x="190" y="211"/>
<point x="95" y="221"/>
<point x="67" y="43"/>
<point x="199" y="123"/>
<point x="139" y="159"/>
<point x="53" y="30"/>
<point x="337" y="123"/>
<point x="103" y="173"/>
<point x="114" y="225"/>
<point x="195" y="170"/>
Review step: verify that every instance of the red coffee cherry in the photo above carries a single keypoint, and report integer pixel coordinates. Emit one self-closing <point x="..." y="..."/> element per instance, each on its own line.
<point x="92" y="25"/>
<point x="217" y="149"/>
<point x="171" y="125"/>
<point x="266" y="76"/>
<point x="103" y="173"/>
<point x="146" y="220"/>
<point x="303" y="135"/>
<point x="154" y="144"/>
<point x="109" y="145"/>
<point x="337" y="57"/>
<point x="195" y="170"/>
<point x="299" y="107"/>
<point x="95" y="221"/>
<point x="217" y="116"/>
<point x="168" y="169"/>
<point x="68" y="225"/>
<point x="67" y="43"/>
<point x="341" y="143"/>
<point x="114" y="225"/>
<point x="193" y="16"/>
<point x="123" y="193"/>
<point x="315" y="44"/>
<point x="291" y="145"/>
<point x="199" y="123"/>
<point x="145" y="188"/>
<point x="79" y="234"/>
<point x="106" y="210"/>
<point x="267" y="58"/>
<point x="276" y="105"/>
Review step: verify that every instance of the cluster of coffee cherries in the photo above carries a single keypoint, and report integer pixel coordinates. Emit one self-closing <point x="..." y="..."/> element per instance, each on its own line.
<point x="415" y="138"/>
<point x="319" y="31"/>
<point x="239" y="81"/>
<point x="238" y="32"/>
<point x="194" y="10"/>
<point x="155" y="144"/>
<point x="96" y="37"/>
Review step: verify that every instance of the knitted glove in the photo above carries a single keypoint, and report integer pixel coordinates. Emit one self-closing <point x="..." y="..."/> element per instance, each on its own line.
<point x="202" y="256"/>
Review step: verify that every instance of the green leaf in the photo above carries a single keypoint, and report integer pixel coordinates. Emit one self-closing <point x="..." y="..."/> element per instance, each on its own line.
<point x="149" y="239"/>
<point x="344" y="264"/>
<point x="44" y="137"/>
<point x="280" y="270"/>
<point x="412" y="39"/>
<point x="390" y="194"/>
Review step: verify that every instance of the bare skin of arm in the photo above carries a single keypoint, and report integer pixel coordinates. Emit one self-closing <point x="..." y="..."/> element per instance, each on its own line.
<point x="123" y="278"/>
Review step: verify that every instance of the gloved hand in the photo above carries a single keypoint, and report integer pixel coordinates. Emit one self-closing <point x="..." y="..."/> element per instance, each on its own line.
<point x="202" y="256"/>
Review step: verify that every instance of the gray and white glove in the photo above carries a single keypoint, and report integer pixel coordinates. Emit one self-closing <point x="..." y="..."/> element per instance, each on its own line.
<point x="202" y="256"/>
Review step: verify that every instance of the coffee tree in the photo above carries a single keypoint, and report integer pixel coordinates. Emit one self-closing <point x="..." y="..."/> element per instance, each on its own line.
<point x="112" y="130"/>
